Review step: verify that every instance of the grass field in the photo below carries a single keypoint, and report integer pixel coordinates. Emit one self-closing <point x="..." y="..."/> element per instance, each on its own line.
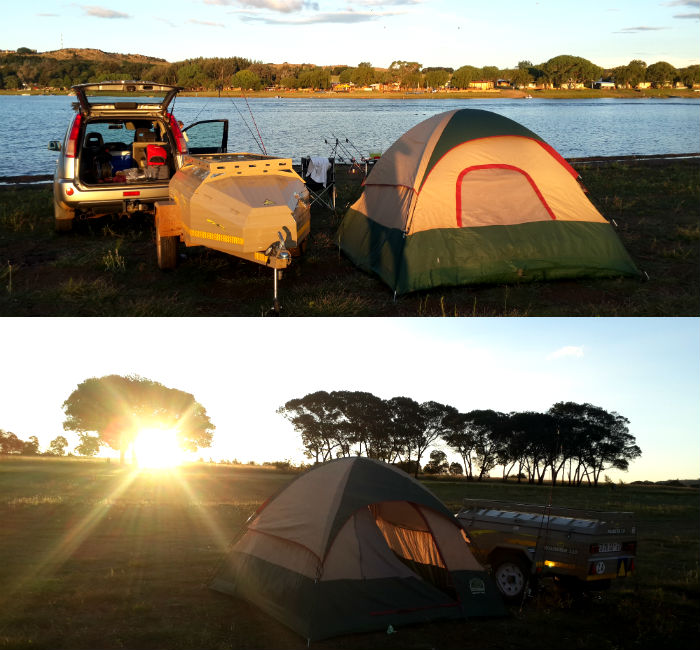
<point x="107" y="267"/>
<point x="94" y="556"/>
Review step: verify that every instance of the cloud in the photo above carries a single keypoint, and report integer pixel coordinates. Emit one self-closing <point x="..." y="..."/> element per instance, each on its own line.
<point x="281" y="6"/>
<point x="48" y="15"/>
<point x="387" y="3"/>
<point x="692" y="4"/>
<point x="683" y="3"/>
<point x="204" y="23"/>
<point x="102" y="12"/>
<point x="637" y="30"/>
<point x="566" y="351"/>
<point x="331" y="17"/>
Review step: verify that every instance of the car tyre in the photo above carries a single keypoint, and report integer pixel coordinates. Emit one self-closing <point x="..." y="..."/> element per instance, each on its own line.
<point x="512" y="575"/>
<point x="166" y="249"/>
<point x="63" y="218"/>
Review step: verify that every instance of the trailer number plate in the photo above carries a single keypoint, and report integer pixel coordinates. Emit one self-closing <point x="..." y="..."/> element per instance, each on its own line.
<point x="609" y="548"/>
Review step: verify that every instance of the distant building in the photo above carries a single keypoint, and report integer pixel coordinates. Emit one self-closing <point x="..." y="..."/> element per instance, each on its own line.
<point x="604" y="85"/>
<point x="481" y="85"/>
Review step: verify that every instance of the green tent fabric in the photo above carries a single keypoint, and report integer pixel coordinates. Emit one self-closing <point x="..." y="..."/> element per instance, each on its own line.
<point x="356" y="545"/>
<point x="469" y="196"/>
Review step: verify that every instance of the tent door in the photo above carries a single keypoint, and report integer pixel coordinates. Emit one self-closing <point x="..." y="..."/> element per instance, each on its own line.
<point x="498" y="195"/>
<point x="409" y="537"/>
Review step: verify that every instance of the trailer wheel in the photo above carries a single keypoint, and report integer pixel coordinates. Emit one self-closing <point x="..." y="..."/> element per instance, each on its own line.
<point x="512" y="575"/>
<point x="166" y="249"/>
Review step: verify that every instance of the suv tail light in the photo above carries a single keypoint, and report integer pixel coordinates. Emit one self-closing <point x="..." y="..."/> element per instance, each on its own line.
<point x="177" y="134"/>
<point x="630" y="547"/>
<point x="72" y="144"/>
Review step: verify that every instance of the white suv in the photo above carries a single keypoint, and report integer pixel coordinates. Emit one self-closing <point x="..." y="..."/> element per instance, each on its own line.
<point x="121" y="149"/>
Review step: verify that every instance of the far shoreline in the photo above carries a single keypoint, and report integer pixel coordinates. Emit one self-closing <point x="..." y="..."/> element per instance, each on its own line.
<point x="496" y="93"/>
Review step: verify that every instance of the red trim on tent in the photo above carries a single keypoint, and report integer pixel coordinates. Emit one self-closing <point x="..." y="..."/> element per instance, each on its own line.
<point x="548" y="148"/>
<point x="557" y="156"/>
<point x="284" y="539"/>
<point x="464" y="172"/>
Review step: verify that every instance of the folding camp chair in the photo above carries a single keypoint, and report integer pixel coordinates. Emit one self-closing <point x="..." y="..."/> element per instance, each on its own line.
<point x="319" y="175"/>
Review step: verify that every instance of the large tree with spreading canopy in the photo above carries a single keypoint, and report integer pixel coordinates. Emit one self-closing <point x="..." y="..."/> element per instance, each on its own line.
<point x="116" y="408"/>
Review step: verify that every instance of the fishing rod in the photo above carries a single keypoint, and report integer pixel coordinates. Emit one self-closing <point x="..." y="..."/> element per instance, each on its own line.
<point x="362" y="156"/>
<point x="252" y="135"/>
<point x="256" y="126"/>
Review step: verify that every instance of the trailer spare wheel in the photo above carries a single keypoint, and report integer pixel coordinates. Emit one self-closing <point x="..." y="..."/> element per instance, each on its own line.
<point x="512" y="575"/>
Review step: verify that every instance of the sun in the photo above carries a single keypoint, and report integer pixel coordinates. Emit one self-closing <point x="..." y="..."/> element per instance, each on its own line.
<point x="158" y="449"/>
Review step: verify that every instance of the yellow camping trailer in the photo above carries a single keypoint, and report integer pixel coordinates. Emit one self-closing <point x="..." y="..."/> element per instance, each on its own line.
<point x="252" y="206"/>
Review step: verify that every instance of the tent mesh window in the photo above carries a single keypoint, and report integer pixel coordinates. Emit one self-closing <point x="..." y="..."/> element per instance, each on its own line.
<point x="409" y="537"/>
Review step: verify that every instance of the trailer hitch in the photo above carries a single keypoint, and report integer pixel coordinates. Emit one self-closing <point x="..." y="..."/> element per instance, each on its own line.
<point x="279" y="251"/>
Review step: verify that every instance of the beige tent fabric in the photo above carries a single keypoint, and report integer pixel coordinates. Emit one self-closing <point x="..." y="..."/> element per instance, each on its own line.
<point x="405" y="161"/>
<point x="485" y="198"/>
<point x="279" y="551"/>
<point x="389" y="206"/>
<point x="453" y="547"/>
<point x="294" y="513"/>
<point x="436" y="205"/>
<point x="359" y="551"/>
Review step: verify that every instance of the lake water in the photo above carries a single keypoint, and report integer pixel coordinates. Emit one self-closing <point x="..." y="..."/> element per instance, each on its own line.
<point x="300" y="127"/>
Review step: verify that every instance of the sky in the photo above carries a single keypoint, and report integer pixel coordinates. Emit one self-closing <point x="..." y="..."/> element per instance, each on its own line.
<point x="346" y="32"/>
<point x="242" y="370"/>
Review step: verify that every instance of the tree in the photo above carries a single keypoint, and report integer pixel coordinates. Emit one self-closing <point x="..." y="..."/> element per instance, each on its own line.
<point x="247" y="80"/>
<point x="418" y="426"/>
<point x="10" y="443"/>
<point x="365" y="422"/>
<point x="317" y="417"/>
<point x="661" y="73"/>
<point x="456" y="469"/>
<point x="30" y="447"/>
<point x="593" y="440"/>
<point x="57" y="447"/>
<point x="88" y="445"/>
<point x="529" y="440"/>
<point x="363" y="75"/>
<point x="520" y="77"/>
<point x="490" y="73"/>
<point x="461" y="439"/>
<point x="690" y="76"/>
<point x="567" y="70"/>
<point x="462" y="77"/>
<point x="117" y="408"/>
<point x="484" y="426"/>
<point x="436" y="77"/>
<point x="438" y="463"/>
<point x="407" y="73"/>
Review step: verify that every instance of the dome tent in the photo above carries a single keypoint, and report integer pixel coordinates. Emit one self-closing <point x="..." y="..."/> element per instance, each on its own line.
<point x="469" y="196"/>
<point x="356" y="545"/>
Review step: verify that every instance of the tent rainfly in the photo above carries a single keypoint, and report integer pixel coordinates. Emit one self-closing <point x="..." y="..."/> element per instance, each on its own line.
<point x="356" y="545"/>
<point x="469" y="196"/>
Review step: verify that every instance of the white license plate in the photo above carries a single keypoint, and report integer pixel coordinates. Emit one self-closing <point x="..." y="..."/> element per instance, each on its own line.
<point x="609" y="548"/>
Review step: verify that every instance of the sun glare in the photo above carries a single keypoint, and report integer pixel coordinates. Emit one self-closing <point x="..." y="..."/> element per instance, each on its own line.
<point x="157" y="449"/>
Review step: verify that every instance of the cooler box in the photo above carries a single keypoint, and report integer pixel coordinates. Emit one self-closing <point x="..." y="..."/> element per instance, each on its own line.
<point x="121" y="160"/>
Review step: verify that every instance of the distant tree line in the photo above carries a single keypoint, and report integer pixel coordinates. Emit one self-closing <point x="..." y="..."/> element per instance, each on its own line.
<point x="11" y="444"/>
<point x="26" y="67"/>
<point x="571" y="443"/>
